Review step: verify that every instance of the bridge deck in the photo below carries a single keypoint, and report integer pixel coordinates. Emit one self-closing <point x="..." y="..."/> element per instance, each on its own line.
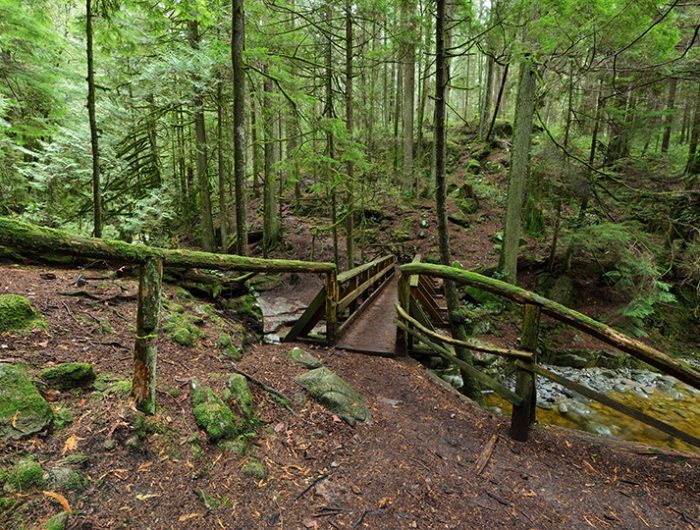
<point x="374" y="331"/>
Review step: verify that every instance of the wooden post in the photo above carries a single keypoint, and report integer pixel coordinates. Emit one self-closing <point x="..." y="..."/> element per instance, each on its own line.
<point x="145" y="351"/>
<point x="332" y="295"/>
<point x="403" y="339"/>
<point x="524" y="415"/>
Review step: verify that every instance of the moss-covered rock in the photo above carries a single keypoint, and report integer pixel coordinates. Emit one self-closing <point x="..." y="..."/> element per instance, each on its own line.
<point x="246" y="305"/>
<point x="239" y="395"/>
<point x="25" y="475"/>
<point x="57" y="522"/>
<point x="182" y="330"/>
<point x="255" y="469"/>
<point x="303" y="358"/>
<point x="65" y="479"/>
<point x="69" y="375"/>
<point x="211" y="413"/>
<point x="331" y="391"/>
<point x="23" y="411"/>
<point x="17" y="315"/>
<point x="227" y="347"/>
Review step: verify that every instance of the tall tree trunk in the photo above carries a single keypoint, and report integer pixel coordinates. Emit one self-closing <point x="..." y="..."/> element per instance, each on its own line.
<point x="693" y="166"/>
<point x="486" y="100"/>
<point x="207" y="224"/>
<point x="349" y="229"/>
<point x="471" y="387"/>
<point x="425" y="80"/>
<point x="330" y="140"/>
<point x="270" y="224"/>
<point x="670" y="104"/>
<point x="504" y="79"/>
<point x="408" y="69"/>
<point x="96" y="188"/>
<point x="518" y="176"/>
<point x="239" y="146"/>
<point x="223" y="213"/>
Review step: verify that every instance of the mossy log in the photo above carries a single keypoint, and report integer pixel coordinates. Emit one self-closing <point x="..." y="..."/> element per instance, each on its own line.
<point x="32" y="239"/>
<point x="663" y="362"/>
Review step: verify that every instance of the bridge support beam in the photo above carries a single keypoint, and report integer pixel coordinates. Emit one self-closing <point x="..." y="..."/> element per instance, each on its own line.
<point x="524" y="415"/>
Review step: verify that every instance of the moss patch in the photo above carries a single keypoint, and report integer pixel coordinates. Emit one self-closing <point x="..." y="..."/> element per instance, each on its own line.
<point x="25" y="475"/>
<point x="211" y="413"/>
<point x="227" y="347"/>
<point x="255" y="469"/>
<point x="17" y="315"/>
<point x="23" y="411"/>
<point x="57" y="522"/>
<point x="180" y="328"/>
<point x="69" y="375"/>
<point x="303" y="358"/>
<point x="239" y="395"/>
<point x="331" y="391"/>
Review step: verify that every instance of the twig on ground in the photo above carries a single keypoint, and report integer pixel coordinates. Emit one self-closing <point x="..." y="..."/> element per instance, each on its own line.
<point x="283" y="399"/>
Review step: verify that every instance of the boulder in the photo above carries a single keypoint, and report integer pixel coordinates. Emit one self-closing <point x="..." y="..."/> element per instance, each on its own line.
<point x="303" y="358"/>
<point x="17" y="315"/>
<point x="64" y="478"/>
<point x="331" y="391"/>
<point x="211" y="413"/>
<point x="69" y="375"/>
<point x="25" y="475"/>
<point x="23" y="410"/>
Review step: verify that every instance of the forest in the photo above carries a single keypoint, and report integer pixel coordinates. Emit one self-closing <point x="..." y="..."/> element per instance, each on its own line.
<point x="215" y="168"/>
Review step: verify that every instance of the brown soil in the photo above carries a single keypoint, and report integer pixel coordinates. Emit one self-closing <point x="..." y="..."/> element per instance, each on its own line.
<point x="414" y="466"/>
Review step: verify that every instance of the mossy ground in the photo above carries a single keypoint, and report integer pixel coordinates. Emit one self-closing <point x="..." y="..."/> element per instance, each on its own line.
<point x="23" y="410"/>
<point x="69" y="375"/>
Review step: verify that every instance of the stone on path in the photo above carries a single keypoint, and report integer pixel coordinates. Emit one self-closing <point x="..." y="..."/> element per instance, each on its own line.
<point x="17" y="315"/>
<point x="331" y="391"/>
<point x="69" y="375"/>
<point x="23" y="410"/>
<point x="303" y="358"/>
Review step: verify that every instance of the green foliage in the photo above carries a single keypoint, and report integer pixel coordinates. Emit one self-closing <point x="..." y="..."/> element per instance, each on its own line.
<point x="626" y="257"/>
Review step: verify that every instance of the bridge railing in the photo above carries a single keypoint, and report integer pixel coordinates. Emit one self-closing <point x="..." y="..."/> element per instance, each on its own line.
<point x="525" y="359"/>
<point x="33" y="240"/>
<point x="343" y="298"/>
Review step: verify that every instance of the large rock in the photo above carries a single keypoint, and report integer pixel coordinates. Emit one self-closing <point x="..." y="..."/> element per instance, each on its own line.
<point x="335" y="394"/>
<point x="17" y="315"/>
<point x="23" y="411"/>
<point x="303" y="358"/>
<point x="25" y="475"/>
<point x="69" y="375"/>
<point x="211" y="413"/>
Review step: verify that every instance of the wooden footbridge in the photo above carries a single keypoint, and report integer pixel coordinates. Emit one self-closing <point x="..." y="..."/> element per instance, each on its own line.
<point x="375" y="308"/>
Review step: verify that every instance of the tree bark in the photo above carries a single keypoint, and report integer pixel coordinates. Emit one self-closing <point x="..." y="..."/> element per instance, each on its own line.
<point x="670" y="107"/>
<point x="693" y="166"/>
<point x="94" y="143"/>
<point x="408" y="60"/>
<point x="223" y="177"/>
<point x="270" y="224"/>
<point x="239" y="145"/>
<point x="349" y="229"/>
<point x="207" y="225"/>
<point x="518" y="176"/>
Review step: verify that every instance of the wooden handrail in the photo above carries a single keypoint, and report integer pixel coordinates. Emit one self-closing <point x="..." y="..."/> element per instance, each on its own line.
<point x="344" y="277"/>
<point x="648" y="354"/>
<point x="33" y="239"/>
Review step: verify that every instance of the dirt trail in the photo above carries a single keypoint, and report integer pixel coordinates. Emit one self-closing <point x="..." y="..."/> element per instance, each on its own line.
<point x="414" y="466"/>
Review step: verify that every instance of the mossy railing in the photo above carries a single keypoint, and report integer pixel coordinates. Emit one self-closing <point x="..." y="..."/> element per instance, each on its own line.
<point x="525" y="359"/>
<point x="32" y="240"/>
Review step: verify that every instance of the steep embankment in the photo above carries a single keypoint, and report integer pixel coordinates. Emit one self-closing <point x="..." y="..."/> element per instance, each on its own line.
<point x="423" y="462"/>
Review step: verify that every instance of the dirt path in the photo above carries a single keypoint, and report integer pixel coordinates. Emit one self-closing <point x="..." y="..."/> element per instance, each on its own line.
<point x="414" y="466"/>
<point x="374" y="331"/>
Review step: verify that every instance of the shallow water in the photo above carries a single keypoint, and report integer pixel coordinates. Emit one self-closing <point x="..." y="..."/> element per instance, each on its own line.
<point x="680" y="409"/>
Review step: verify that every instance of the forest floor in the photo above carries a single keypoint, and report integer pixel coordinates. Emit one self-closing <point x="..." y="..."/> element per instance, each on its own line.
<point x="421" y="463"/>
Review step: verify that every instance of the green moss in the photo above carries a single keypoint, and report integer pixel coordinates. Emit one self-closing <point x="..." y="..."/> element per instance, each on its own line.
<point x="255" y="469"/>
<point x="303" y="358"/>
<point x="25" y="475"/>
<point x="17" y="315"/>
<point x="180" y="329"/>
<point x="69" y="375"/>
<point x="246" y="305"/>
<point x="57" y="522"/>
<point x="66" y="479"/>
<point x="62" y="417"/>
<point x="212" y="414"/>
<point x="76" y="459"/>
<point x="239" y="394"/>
<point x="7" y="504"/>
<point x="105" y="327"/>
<point x="227" y="347"/>
<point x="23" y="411"/>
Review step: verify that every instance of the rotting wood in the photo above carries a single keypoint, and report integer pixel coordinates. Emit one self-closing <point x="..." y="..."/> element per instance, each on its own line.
<point x="146" y="348"/>
<point x="485" y="455"/>
<point x="473" y="344"/>
<point x="678" y="369"/>
<point x="484" y="379"/>
<point x="612" y="403"/>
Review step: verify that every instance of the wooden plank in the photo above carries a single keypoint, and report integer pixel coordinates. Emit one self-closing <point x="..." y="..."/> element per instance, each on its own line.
<point x="428" y="306"/>
<point x="484" y="379"/>
<point x="612" y="403"/>
<point x="472" y="344"/>
<point x="309" y="318"/>
<point x="678" y="369"/>
<point x="366" y="303"/>
<point x="331" y="309"/>
<point x="358" y="291"/>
